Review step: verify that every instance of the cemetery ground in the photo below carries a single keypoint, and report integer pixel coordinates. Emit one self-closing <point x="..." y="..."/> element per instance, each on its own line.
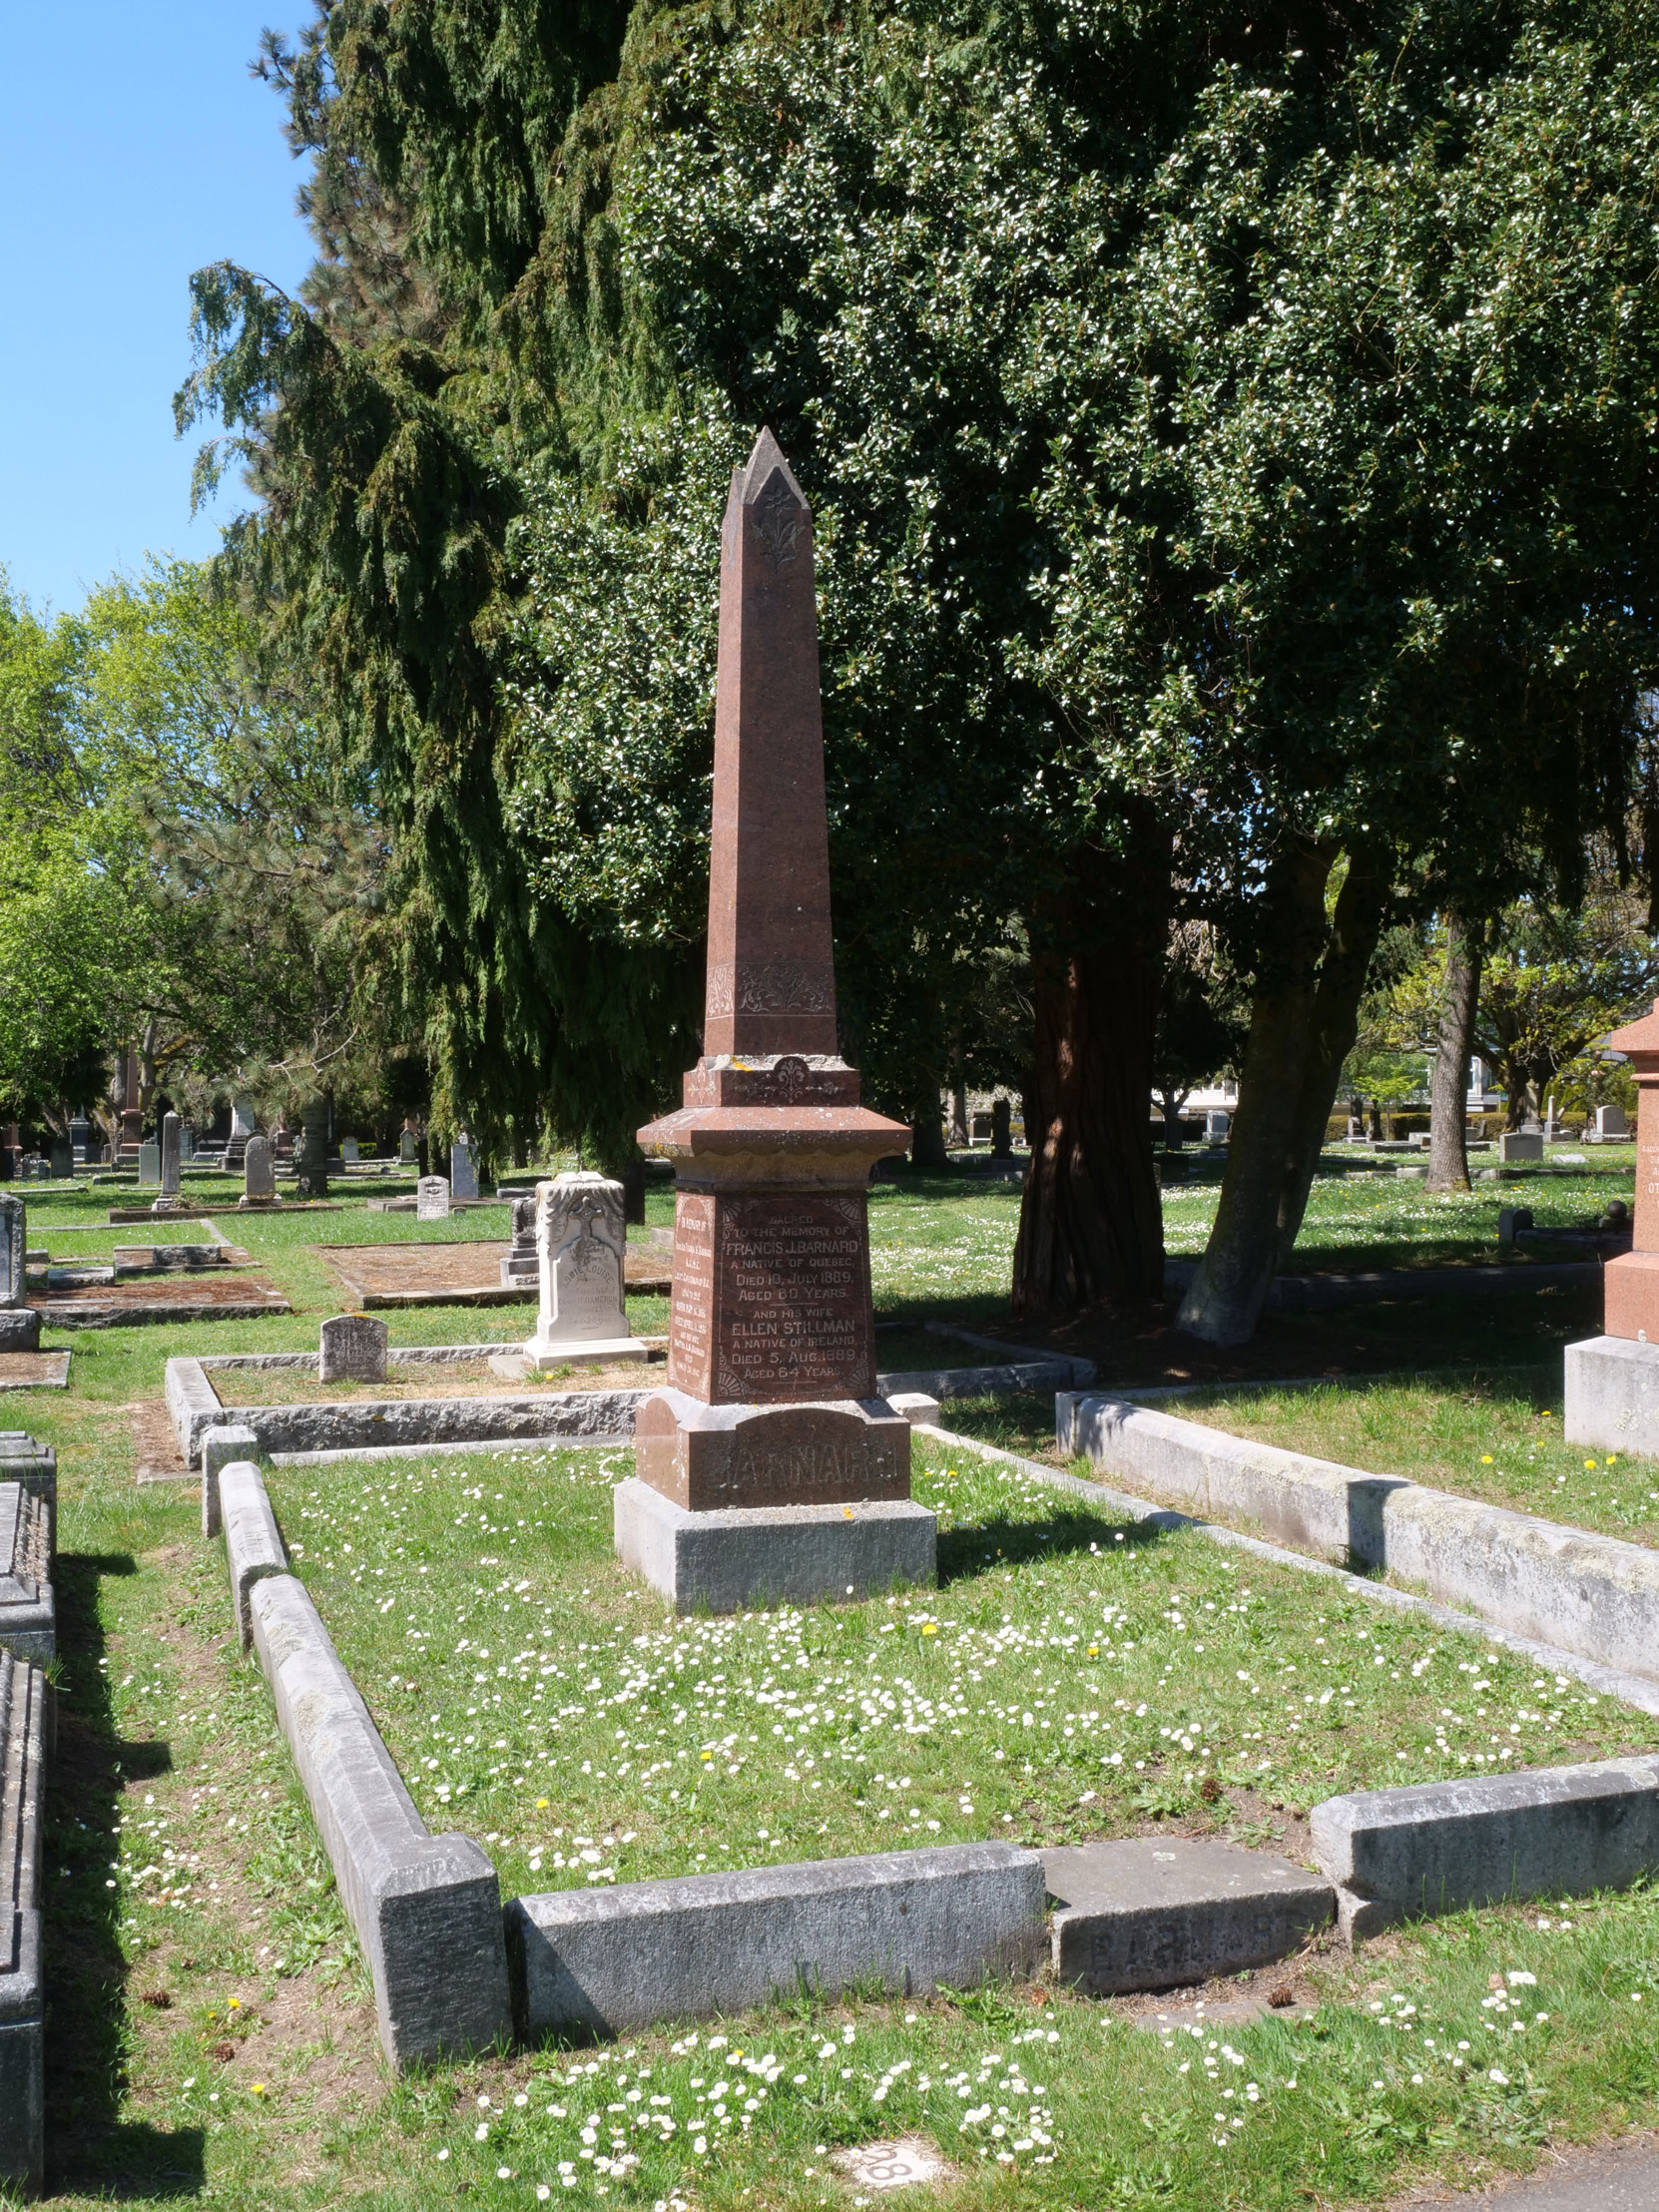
<point x="211" y="2026"/>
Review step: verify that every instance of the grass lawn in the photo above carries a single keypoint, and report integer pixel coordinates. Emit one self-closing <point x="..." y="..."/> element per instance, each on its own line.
<point x="211" y="2032"/>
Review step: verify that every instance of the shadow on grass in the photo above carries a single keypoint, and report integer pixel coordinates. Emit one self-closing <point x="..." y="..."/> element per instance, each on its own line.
<point x="87" y="2145"/>
<point x="967" y="1552"/>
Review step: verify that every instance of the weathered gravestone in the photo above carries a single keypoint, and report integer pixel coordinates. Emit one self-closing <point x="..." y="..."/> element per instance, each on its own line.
<point x="348" y="1151"/>
<point x="463" y="1172"/>
<point x="1522" y="1144"/>
<point x="259" y="1174"/>
<point x="150" y="1164"/>
<point x="171" y="1128"/>
<point x="310" y="1158"/>
<point x="580" y="1238"/>
<point x="63" y="1159"/>
<point x="771" y="1423"/>
<point x="19" y="1324"/>
<point x="432" y="1198"/>
<point x="352" y="1349"/>
<point x="1002" y="1129"/>
<point x="80" y="1138"/>
<point x="1216" y="1125"/>
<point x="408" y="1147"/>
<point x="1610" y="1121"/>
<point x="522" y="1264"/>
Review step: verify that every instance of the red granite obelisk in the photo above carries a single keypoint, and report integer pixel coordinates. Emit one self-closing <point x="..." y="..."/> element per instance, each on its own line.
<point x="771" y="1372"/>
<point x="1630" y="1283"/>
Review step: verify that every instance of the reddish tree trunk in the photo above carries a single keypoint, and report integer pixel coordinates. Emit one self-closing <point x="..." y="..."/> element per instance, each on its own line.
<point x="1090" y="1225"/>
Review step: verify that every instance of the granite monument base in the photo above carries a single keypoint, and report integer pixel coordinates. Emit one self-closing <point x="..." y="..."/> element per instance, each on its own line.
<point x="542" y="1353"/>
<point x="727" y="1561"/>
<point x="1613" y="1395"/>
<point x="837" y="1451"/>
<point x="20" y="1328"/>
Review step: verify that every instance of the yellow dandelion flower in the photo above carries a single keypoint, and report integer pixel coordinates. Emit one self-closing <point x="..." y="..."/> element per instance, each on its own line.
<point x="541" y="1805"/>
<point x="1485" y="1459"/>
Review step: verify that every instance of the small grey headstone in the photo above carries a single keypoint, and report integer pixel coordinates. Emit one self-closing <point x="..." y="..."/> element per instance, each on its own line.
<point x="63" y="1159"/>
<point x="463" y="1173"/>
<point x="1216" y="1124"/>
<point x="348" y="1151"/>
<point x="353" y="1350"/>
<point x="242" y="1120"/>
<point x="408" y="1148"/>
<point x="259" y="1174"/>
<point x="150" y="1164"/>
<point x="432" y="1198"/>
<point x="1522" y="1144"/>
<point x="1610" y="1121"/>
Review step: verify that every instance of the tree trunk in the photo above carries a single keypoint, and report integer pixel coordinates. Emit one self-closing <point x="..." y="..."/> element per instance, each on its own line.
<point x="960" y="1135"/>
<point x="1356" y="927"/>
<point x="927" y="1148"/>
<point x="1448" y="1113"/>
<point x="632" y="1190"/>
<point x="145" y="1069"/>
<point x="1091" y="1224"/>
<point x="1223" y="1299"/>
<point x="1174" y="1101"/>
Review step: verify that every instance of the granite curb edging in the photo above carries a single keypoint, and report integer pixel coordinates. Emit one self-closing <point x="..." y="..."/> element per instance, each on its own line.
<point x="1568" y="1588"/>
<point x="609" y="1961"/>
<point x="426" y="1908"/>
<point x="24" y="1737"/>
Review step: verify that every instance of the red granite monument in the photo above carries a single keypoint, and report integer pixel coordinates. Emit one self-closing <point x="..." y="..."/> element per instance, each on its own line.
<point x="1630" y="1283"/>
<point x="1611" y="1382"/>
<point x="770" y="1419"/>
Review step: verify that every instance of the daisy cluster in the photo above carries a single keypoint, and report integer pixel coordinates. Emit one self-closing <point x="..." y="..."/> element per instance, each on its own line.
<point x="634" y="2124"/>
<point x="960" y="1247"/>
<point x="1071" y="1678"/>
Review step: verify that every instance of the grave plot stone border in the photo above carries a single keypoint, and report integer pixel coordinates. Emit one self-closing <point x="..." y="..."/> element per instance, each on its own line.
<point x="426" y="1908"/>
<point x="344" y="1428"/>
<point x="354" y="1425"/>
<point x="603" y="1962"/>
<point x="1440" y="1847"/>
<point x="1569" y="1588"/>
<point x="24" y="1735"/>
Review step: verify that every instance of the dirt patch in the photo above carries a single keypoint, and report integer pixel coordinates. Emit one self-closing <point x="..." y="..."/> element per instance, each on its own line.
<point x="155" y="1450"/>
<point x="23" y="1370"/>
<point x="381" y="1274"/>
<point x="160" y="1296"/>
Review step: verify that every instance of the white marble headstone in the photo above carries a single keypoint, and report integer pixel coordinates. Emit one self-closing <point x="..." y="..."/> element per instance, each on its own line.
<point x="432" y="1198"/>
<point x="581" y="1236"/>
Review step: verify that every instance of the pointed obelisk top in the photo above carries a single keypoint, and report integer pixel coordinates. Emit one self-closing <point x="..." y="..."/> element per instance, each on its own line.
<point x="772" y="977"/>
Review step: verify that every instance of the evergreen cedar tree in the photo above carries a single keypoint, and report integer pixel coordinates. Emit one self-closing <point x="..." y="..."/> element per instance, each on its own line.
<point x="1231" y="431"/>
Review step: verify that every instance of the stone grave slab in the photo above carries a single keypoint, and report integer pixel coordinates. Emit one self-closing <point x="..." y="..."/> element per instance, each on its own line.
<point x="1159" y="1912"/>
<point x="34" y="1370"/>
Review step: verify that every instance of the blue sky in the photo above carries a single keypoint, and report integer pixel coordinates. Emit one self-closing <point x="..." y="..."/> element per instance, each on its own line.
<point x="134" y="148"/>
